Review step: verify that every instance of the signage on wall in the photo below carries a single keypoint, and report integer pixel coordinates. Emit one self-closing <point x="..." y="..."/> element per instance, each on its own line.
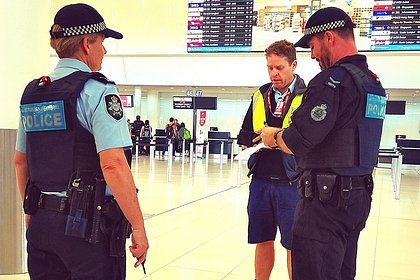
<point x="127" y="101"/>
<point x="183" y="102"/>
<point x="190" y="92"/>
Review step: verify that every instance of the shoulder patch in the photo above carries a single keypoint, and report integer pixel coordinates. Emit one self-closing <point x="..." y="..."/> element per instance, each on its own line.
<point x="318" y="113"/>
<point x="114" y="106"/>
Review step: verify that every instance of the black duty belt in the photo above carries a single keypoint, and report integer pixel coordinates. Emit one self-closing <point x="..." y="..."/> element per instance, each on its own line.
<point x="359" y="182"/>
<point x="54" y="203"/>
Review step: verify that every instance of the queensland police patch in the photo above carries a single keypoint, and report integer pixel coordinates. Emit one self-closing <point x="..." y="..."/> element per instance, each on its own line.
<point x="318" y="113"/>
<point x="114" y="106"/>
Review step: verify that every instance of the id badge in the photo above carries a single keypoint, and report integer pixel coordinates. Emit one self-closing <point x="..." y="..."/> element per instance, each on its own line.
<point x="279" y="108"/>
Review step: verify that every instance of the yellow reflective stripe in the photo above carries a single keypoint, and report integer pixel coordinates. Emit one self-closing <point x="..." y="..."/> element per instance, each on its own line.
<point x="297" y="100"/>
<point x="258" y="111"/>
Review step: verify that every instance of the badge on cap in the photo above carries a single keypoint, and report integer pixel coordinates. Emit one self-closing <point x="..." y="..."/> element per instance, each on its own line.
<point x="318" y="113"/>
<point x="114" y="106"/>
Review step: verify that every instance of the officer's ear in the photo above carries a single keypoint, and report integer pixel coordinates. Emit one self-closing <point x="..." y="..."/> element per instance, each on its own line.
<point x="330" y="37"/>
<point x="85" y="45"/>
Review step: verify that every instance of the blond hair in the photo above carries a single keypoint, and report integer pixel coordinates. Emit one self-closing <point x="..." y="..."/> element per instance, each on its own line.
<point x="67" y="46"/>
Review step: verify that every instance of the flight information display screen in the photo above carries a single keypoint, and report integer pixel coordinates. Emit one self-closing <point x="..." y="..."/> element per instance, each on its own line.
<point x="252" y="25"/>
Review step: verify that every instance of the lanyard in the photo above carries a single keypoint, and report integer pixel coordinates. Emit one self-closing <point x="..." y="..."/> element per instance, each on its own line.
<point x="281" y="104"/>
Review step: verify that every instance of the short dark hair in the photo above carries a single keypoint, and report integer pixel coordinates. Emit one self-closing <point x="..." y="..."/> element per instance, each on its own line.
<point x="171" y="119"/>
<point x="282" y="48"/>
<point x="343" y="32"/>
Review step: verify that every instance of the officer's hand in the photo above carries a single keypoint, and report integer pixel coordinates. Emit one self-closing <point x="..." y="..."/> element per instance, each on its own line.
<point x="139" y="246"/>
<point x="267" y="136"/>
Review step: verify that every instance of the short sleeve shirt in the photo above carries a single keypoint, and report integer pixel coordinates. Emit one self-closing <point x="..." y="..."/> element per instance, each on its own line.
<point x="92" y="110"/>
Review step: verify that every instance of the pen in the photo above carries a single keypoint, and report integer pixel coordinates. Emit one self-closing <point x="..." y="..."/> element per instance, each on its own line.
<point x="142" y="265"/>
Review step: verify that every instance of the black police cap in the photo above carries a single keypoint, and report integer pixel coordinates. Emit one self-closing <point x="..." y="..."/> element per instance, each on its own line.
<point x="323" y="20"/>
<point x="81" y="19"/>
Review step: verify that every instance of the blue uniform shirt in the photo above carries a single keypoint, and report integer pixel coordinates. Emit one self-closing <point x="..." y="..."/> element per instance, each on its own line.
<point x="91" y="110"/>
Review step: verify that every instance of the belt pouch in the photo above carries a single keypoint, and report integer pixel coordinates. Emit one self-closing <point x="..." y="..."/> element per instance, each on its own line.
<point x="30" y="203"/>
<point x="325" y="184"/>
<point x="77" y="218"/>
<point x="305" y="184"/>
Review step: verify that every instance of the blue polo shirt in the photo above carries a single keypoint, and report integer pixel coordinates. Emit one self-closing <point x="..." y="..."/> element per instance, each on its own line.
<point x="91" y="110"/>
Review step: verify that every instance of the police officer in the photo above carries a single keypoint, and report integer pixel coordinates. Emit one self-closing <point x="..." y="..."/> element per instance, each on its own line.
<point x="272" y="195"/>
<point x="335" y="136"/>
<point x="73" y="124"/>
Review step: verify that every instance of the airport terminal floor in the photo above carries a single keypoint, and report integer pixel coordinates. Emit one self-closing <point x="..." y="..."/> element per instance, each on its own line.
<point x="197" y="225"/>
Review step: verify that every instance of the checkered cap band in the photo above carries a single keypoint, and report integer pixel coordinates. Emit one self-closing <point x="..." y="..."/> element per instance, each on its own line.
<point x="84" y="29"/>
<point x="324" y="27"/>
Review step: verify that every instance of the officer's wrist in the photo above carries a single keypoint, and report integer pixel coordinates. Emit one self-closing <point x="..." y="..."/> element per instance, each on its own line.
<point x="275" y="135"/>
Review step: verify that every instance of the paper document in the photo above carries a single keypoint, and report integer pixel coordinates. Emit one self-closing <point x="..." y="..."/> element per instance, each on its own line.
<point x="245" y="154"/>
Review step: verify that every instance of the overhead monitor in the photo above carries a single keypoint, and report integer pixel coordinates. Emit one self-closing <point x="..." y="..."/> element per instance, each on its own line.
<point x="395" y="108"/>
<point x="252" y="25"/>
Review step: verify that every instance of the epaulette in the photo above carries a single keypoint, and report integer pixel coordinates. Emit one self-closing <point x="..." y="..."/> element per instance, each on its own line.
<point x="335" y="78"/>
<point x="101" y="78"/>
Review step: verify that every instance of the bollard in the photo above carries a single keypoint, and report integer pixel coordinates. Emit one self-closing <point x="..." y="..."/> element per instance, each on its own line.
<point x="191" y="158"/>
<point x="152" y="156"/>
<point x="221" y="154"/>
<point x="183" y="152"/>
<point x="207" y="156"/>
<point x="231" y="157"/>
<point x="239" y="172"/>
<point x="170" y="161"/>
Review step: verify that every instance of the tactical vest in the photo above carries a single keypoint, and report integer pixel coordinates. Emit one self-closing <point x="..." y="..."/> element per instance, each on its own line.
<point x="353" y="150"/>
<point x="259" y="107"/>
<point x="57" y="146"/>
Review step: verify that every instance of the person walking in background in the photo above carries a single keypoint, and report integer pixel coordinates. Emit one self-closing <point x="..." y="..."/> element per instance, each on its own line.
<point x="171" y="134"/>
<point x="184" y="135"/>
<point x="145" y="137"/>
<point x="81" y="141"/>
<point x="335" y="137"/>
<point x="272" y="194"/>
<point x="137" y="125"/>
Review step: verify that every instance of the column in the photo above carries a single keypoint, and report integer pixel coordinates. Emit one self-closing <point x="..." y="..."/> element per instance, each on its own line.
<point x="153" y="109"/>
<point x="24" y="54"/>
<point x="137" y="103"/>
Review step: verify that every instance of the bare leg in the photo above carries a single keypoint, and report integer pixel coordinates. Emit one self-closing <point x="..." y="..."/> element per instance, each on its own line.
<point x="289" y="263"/>
<point x="264" y="260"/>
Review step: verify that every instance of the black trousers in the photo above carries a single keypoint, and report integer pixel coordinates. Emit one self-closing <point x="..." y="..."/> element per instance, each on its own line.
<point x="53" y="256"/>
<point x="325" y="236"/>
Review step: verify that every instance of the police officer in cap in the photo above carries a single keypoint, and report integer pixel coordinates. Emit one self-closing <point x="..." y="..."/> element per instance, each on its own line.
<point x="73" y="128"/>
<point x="335" y="136"/>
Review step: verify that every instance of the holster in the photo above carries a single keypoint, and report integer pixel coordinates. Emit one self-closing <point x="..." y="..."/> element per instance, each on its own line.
<point x="98" y="203"/>
<point x="116" y="227"/>
<point x="30" y="202"/>
<point x="80" y="197"/>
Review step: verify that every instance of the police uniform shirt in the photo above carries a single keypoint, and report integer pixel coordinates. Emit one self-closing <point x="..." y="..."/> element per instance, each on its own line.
<point x="328" y="105"/>
<point x="92" y="110"/>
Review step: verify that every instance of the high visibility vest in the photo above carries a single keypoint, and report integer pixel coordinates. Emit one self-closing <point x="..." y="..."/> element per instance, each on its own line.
<point x="259" y="115"/>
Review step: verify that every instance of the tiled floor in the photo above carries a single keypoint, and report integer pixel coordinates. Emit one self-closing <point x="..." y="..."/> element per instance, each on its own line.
<point x="197" y="226"/>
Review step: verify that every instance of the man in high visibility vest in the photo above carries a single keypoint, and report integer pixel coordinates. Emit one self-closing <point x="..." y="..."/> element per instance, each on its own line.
<point x="273" y="194"/>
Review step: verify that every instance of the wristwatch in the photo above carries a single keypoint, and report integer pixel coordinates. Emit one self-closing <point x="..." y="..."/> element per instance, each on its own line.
<point x="275" y="135"/>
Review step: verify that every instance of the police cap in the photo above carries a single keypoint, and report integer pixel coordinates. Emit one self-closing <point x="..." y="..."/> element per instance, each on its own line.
<point x="323" y="20"/>
<point x="81" y="19"/>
